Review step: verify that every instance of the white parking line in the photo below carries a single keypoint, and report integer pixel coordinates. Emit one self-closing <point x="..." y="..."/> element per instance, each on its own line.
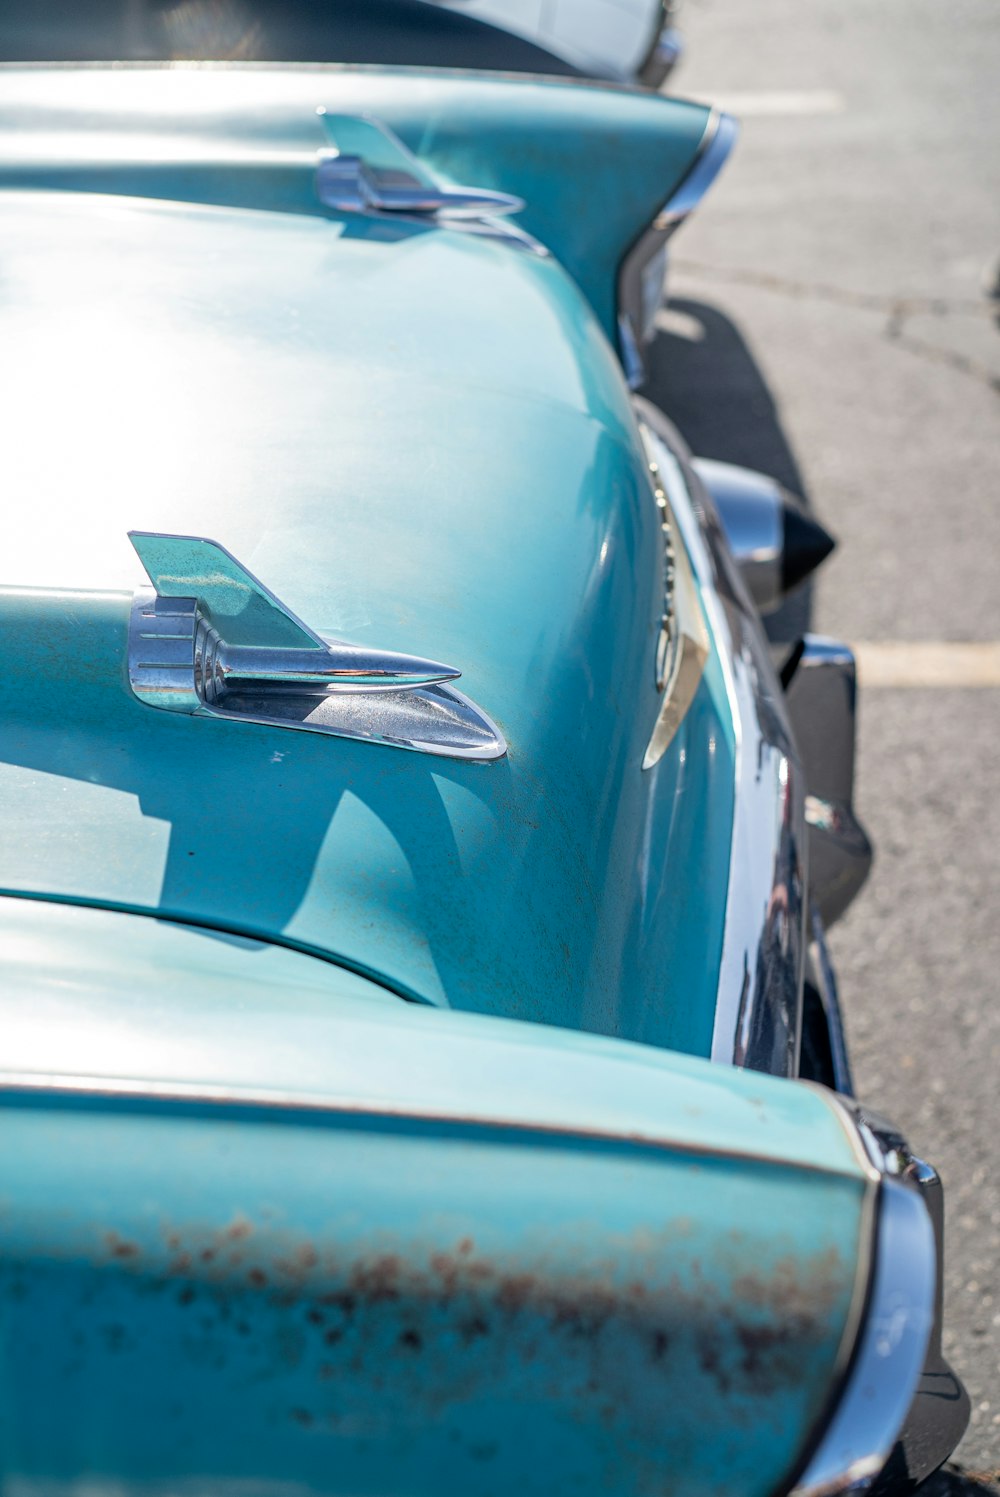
<point x="936" y="664"/>
<point x="779" y="101"/>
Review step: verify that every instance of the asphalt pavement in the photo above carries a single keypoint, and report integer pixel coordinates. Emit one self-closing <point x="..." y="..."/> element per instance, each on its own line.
<point x="835" y="321"/>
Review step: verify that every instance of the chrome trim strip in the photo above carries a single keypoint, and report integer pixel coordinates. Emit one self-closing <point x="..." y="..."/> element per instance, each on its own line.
<point x="721" y="134"/>
<point x="826" y="985"/>
<point x="890" y="1354"/>
<point x="822" y="704"/>
<point x="901" y="1410"/>
<point x="209" y="639"/>
<point x="758" y="1014"/>
<point x="758" y="1010"/>
<point x="872" y="1162"/>
<point x="34" y="1084"/>
<point x="635" y="291"/>
<point x="683" y="646"/>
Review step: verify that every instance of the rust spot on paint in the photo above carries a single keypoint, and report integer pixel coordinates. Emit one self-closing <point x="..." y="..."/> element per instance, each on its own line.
<point x="121" y="1247"/>
<point x="516" y="1291"/>
<point x="642" y="1311"/>
<point x="447" y="1270"/>
<point x="659" y="1343"/>
<point x="472" y="1329"/>
<point x="377" y="1280"/>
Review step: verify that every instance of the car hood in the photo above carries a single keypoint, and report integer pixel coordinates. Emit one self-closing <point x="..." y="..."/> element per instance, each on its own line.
<point x="419" y="441"/>
<point x="594" y="165"/>
<point x="102" y="1003"/>
<point x="264" y="1224"/>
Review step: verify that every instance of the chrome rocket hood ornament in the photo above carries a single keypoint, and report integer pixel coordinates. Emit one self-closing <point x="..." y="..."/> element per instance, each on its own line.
<point x="367" y="169"/>
<point x="208" y="638"/>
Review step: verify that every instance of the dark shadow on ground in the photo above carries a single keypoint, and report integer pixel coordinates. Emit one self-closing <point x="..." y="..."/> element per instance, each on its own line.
<point x="701" y="372"/>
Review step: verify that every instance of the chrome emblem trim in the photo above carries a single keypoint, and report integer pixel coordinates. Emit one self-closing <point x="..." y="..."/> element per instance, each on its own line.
<point x="366" y="169"/>
<point x="209" y="639"/>
<point x="683" y="644"/>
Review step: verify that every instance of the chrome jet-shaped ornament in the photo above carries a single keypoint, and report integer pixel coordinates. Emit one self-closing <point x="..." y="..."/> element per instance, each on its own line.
<point x="208" y="638"/>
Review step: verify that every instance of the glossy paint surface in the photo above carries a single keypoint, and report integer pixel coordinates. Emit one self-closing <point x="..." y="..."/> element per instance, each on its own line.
<point x="759" y="1015"/>
<point x="141" y="1003"/>
<point x="594" y="165"/>
<point x="401" y="1250"/>
<point x="273" y="1228"/>
<point x="423" y="443"/>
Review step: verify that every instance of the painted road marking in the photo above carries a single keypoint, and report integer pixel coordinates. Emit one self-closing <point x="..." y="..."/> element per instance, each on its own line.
<point x="779" y="102"/>
<point x="936" y="664"/>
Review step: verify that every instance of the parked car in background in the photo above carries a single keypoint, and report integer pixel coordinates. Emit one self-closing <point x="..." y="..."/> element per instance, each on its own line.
<point x="422" y="1069"/>
<point x="634" y="41"/>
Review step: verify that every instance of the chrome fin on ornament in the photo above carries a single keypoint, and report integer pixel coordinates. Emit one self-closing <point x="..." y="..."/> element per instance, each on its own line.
<point x="367" y="169"/>
<point x="209" y="639"/>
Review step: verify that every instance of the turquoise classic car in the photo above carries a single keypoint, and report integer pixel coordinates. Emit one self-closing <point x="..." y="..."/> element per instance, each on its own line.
<point x="421" y="1070"/>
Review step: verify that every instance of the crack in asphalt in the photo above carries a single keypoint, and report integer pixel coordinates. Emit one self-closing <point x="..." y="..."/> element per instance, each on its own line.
<point x="897" y="311"/>
<point x="949" y="357"/>
<point x="871" y="301"/>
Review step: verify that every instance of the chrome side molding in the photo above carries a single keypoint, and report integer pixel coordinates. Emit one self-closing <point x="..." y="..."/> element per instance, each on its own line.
<point x="367" y="169"/>
<point x="821" y="693"/>
<point x="683" y="645"/>
<point x="209" y="639"/>
<point x="890" y="1355"/>
<point x="902" y="1410"/>
<point x="758" y="1014"/>
<point x="642" y="274"/>
<point x="775" y="542"/>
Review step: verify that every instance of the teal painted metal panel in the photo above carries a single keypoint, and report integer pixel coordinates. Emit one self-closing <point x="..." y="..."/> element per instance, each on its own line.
<point x="404" y="1249"/>
<point x="594" y="164"/>
<point x="494" y="512"/>
<point x="143" y="1002"/>
<point x="368" y="1306"/>
<point x="494" y="890"/>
